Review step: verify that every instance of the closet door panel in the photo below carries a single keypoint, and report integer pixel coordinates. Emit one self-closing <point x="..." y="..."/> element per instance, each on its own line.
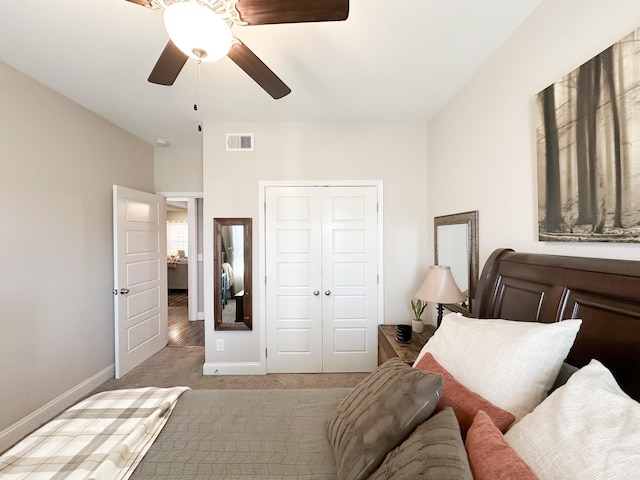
<point x="349" y="258"/>
<point x="293" y="261"/>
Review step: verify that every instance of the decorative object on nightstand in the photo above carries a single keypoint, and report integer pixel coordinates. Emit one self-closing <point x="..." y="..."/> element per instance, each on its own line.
<point x="403" y="334"/>
<point x="440" y="287"/>
<point x="407" y="352"/>
<point x="418" y="307"/>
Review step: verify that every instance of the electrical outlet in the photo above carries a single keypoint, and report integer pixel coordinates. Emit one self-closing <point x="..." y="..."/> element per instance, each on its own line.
<point x="220" y="345"/>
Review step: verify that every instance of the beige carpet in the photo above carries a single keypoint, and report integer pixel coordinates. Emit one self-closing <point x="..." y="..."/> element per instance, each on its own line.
<point x="177" y="365"/>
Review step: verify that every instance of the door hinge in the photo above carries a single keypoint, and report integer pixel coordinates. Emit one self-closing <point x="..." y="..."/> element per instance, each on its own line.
<point x="265" y="353"/>
<point x="115" y="292"/>
<point x="378" y="279"/>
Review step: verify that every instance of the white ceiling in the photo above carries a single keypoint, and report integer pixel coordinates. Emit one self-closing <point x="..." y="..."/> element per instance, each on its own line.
<point x="389" y="61"/>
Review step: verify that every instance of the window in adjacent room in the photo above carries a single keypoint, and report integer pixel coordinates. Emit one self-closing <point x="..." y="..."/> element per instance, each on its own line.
<point x="177" y="237"/>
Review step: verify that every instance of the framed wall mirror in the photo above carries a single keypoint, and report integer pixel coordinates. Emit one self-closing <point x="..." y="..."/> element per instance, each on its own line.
<point x="456" y="245"/>
<point x="232" y="274"/>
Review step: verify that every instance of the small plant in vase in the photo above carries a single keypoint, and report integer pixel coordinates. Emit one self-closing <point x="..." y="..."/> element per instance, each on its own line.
<point x="418" y="307"/>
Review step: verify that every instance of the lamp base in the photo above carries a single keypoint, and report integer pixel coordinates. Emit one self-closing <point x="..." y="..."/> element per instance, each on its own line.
<point x="440" y="311"/>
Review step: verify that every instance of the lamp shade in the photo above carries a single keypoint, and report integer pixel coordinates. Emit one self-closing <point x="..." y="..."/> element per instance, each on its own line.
<point x="440" y="287"/>
<point x="197" y="30"/>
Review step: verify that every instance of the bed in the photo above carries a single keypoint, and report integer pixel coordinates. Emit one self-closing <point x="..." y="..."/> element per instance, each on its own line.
<point x="604" y="293"/>
<point x="409" y="422"/>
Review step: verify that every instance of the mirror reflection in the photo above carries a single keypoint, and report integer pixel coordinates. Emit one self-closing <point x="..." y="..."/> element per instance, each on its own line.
<point x="232" y="267"/>
<point x="456" y="245"/>
<point x="452" y="251"/>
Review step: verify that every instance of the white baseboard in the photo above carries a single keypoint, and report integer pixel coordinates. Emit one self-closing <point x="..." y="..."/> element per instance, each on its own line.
<point x="238" y="368"/>
<point x="200" y="315"/>
<point x="11" y="435"/>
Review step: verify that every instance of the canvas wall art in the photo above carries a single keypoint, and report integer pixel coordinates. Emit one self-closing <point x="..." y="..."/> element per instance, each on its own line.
<point x="588" y="149"/>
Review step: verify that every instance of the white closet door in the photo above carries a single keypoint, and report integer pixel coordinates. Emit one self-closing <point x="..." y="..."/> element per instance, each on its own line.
<point x="321" y="292"/>
<point x="349" y="279"/>
<point x="293" y="262"/>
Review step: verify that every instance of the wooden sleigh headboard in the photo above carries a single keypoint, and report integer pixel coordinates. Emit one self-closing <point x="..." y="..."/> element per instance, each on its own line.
<point x="605" y="294"/>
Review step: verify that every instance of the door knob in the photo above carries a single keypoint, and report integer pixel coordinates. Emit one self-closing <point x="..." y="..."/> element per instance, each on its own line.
<point x="316" y="292"/>
<point x="124" y="291"/>
<point x="327" y="292"/>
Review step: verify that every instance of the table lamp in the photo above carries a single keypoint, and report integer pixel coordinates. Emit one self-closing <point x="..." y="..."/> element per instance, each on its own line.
<point x="440" y="287"/>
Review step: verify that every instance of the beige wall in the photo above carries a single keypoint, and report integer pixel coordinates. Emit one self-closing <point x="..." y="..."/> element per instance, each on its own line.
<point x="178" y="169"/>
<point x="482" y="145"/>
<point x="58" y="164"/>
<point x="394" y="153"/>
<point x="177" y="216"/>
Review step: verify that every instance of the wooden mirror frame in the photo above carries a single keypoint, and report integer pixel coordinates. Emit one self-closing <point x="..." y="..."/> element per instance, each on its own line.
<point x="471" y="220"/>
<point x="247" y="311"/>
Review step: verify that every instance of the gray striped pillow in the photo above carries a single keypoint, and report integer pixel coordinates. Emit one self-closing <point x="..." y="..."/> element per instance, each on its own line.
<point x="379" y="414"/>
<point x="433" y="451"/>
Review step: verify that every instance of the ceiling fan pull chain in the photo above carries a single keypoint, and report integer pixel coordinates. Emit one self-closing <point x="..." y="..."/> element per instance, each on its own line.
<point x="196" y="95"/>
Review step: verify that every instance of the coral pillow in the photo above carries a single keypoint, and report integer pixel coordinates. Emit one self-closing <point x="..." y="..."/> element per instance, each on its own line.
<point x="490" y="456"/>
<point x="465" y="403"/>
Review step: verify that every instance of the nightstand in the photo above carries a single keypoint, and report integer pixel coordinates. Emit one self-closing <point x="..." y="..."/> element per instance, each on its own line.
<point x="389" y="348"/>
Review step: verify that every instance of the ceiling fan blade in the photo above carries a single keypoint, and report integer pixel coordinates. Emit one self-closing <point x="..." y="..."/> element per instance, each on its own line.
<point x="168" y="66"/>
<point x="262" y="12"/>
<point x="256" y="69"/>
<point x="144" y="3"/>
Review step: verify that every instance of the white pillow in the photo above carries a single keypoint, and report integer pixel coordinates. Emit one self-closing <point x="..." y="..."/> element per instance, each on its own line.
<point x="511" y="364"/>
<point x="587" y="429"/>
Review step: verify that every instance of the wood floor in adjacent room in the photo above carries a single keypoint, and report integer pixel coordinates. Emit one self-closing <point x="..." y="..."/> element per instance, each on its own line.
<point x="182" y="331"/>
<point x="181" y="362"/>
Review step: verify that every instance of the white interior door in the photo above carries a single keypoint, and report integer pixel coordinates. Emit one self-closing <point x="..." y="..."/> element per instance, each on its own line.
<point x="349" y="279"/>
<point x="140" y="276"/>
<point x="294" y="302"/>
<point x="322" y="270"/>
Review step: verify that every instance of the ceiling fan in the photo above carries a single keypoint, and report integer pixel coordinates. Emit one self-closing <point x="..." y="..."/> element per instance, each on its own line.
<point x="214" y="18"/>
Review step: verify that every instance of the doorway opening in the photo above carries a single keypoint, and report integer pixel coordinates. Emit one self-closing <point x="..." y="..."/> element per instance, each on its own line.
<point x="184" y="271"/>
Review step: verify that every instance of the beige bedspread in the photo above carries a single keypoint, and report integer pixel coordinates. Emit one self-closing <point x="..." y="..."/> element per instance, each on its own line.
<point x="245" y="434"/>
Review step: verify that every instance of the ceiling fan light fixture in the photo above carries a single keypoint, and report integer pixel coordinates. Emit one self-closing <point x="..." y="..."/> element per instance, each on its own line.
<point x="197" y="30"/>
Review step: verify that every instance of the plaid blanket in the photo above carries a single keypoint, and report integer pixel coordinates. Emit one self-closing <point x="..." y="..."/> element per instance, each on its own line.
<point x="102" y="437"/>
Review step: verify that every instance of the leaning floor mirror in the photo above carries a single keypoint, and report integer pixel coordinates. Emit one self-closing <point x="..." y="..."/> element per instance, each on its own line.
<point x="232" y="274"/>
<point x="456" y="245"/>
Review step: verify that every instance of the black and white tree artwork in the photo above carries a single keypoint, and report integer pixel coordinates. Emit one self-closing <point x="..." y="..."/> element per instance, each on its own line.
<point x="588" y="148"/>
